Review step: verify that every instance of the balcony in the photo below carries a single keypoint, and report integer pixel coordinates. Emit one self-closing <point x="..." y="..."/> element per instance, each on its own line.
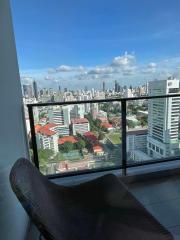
<point x="128" y="134"/>
<point x="150" y="172"/>
<point x="126" y="151"/>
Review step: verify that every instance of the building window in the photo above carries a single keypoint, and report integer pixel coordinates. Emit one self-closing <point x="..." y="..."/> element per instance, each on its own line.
<point x="161" y="151"/>
<point x="157" y="149"/>
<point x="153" y="146"/>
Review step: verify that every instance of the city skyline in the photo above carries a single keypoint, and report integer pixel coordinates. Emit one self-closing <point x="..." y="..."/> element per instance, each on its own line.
<point x="86" y="43"/>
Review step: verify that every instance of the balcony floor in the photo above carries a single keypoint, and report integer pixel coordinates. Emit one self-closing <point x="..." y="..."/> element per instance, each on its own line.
<point x="161" y="197"/>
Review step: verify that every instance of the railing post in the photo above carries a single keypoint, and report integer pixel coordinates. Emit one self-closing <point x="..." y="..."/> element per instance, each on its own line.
<point x="123" y="122"/>
<point x="33" y="136"/>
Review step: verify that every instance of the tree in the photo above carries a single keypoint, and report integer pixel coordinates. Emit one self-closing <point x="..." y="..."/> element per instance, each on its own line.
<point x="97" y="123"/>
<point x="59" y="157"/>
<point x="144" y="121"/>
<point x="81" y="144"/>
<point x="45" y="154"/>
<point x="45" y="157"/>
<point x="101" y="136"/>
<point x="131" y="124"/>
<point x="68" y="146"/>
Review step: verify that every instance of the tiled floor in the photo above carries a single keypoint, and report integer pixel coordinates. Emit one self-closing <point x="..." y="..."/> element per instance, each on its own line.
<point x="161" y="197"/>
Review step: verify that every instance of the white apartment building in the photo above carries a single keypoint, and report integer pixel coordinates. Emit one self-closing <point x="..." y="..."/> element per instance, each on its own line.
<point x="163" y="119"/>
<point x="62" y="130"/>
<point x="47" y="138"/>
<point x="78" y="111"/>
<point x="137" y="144"/>
<point x="128" y="93"/>
<point x="59" y="115"/>
<point x="80" y="125"/>
<point x="94" y="110"/>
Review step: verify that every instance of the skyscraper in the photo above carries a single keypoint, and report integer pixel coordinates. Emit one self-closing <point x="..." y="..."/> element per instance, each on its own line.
<point x="104" y="87"/>
<point x="35" y="90"/>
<point x="163" y="119"/>
<point x="116" y="86"/>
<point x="27" y="91"/>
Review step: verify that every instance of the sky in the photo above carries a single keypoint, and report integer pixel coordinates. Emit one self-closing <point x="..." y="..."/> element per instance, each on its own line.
<point x="78" y="43"/>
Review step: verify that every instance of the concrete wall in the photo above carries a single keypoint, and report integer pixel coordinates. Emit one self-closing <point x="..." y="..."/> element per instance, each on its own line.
<point x="13" y="220"/>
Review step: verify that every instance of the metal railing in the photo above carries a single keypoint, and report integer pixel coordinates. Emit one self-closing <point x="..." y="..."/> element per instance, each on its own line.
<point x="124" y="166"/>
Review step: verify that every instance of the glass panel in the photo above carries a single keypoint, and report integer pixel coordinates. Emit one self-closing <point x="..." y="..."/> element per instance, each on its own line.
<point x="153" y="129"/>
<point x="78" y="137"/>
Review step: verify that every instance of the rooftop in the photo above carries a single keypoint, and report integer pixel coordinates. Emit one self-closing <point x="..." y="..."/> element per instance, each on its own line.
<point x="91" y="136"/>
<point x="79" y="120"/>
<point x="46" y="129"/>
<point x="71" y="139"/>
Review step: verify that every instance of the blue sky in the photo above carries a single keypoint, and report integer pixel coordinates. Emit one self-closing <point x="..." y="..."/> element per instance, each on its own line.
<point x="82" y="41"/>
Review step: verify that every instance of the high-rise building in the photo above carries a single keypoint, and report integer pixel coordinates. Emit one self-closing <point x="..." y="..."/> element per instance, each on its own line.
<point x="78" y="111"/>
<point x="128" y="93"/>
<point x="35" y="90"/>
<point x="163" y="119"/>
<point x="104" y="86"/>
<point x="94" y="110"/>
<point x="137" y="144"/>
<point x="59" y="115"/>
<point x="116" y="86"/>
<point x="27" y="91"/>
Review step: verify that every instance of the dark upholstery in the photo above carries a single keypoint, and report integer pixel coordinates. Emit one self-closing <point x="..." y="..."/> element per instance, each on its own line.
<point x="100" y="209"/>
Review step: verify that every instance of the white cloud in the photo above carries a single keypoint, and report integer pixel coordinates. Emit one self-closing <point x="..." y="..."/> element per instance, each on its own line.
<point x="124" y="60"/>
<point x="152" y="65"/>
<point x="124" y="67"/>
<point x="49" y="78"/>
<point x="64" y="68"/>
<point x="101" y="70"/>
<point x="150" y="69"/>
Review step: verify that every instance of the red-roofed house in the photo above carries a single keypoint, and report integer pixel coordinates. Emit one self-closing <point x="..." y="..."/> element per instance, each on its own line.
<point x="71" y="139"/>
<point x="37" y="128"/>
<point x="80" y="125"/>
<point x="108" y="126"/>
<point x="98" y="150"/>
<point x="91" y="136"/>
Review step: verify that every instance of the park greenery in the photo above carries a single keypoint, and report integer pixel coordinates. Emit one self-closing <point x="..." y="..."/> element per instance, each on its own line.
<point x="69" y="146"/>
<point x="45" y="157"/>
<point x="115" y="138"/>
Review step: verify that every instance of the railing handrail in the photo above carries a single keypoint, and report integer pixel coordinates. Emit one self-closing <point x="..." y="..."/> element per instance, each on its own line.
<point x="123" y="101"/>
<point x="101" y="100"/>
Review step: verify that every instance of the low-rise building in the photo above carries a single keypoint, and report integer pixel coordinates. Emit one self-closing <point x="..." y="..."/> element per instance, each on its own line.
<point x="98" y="150"/>
<point x="80" y="125"/>
<point x="91" y="137"/>
<point x="107" y="126"/>
<point x="70" y="139"/>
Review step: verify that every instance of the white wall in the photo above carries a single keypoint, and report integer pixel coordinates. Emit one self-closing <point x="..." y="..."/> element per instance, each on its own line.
<point x="13" y="220"/>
